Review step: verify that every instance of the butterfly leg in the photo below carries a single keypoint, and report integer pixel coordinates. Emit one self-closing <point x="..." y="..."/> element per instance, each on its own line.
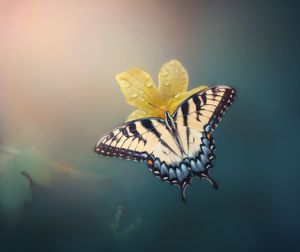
<point x="210" y="180"/>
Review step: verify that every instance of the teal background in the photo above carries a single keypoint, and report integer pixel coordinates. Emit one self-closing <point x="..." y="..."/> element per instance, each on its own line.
<point x="252" y="46"/>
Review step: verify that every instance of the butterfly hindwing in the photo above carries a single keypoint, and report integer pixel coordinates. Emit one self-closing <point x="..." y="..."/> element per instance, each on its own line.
<point x="181" y="171"/>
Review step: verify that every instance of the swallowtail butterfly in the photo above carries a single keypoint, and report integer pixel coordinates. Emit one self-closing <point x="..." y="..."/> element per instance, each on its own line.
<point x="178" y="147"/>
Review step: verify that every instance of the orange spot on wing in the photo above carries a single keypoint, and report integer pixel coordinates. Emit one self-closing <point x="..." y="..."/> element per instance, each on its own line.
<point x="208" y="136"/>
<point x="150" y="162"/>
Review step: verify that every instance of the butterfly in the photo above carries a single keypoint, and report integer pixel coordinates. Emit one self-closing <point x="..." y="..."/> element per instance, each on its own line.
<point x="178" y="147"/>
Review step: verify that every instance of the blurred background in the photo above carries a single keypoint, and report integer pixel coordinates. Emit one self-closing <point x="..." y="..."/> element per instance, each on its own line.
<point x="58" y="95"/>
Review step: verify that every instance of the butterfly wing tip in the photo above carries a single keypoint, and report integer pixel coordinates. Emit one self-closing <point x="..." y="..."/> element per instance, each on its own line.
<point x="182" y="191"/>
<point x="213" y="183"/>
<point x="215" y="186"/>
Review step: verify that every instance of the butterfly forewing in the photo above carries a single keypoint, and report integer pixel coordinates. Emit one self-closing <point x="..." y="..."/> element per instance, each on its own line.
<point x="204" y="110"/>
<point x="133" y="140"/>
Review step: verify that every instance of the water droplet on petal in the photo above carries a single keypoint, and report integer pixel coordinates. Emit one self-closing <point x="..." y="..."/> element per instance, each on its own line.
<point x="133" y="95"/>
<point x="125" y="84"/>
<point x="177" y="96"/>
<point x="148" y="83"/>
<point x="164" y="73"/>
<point x="166" y="83"/>
<point x="142" y="99"/>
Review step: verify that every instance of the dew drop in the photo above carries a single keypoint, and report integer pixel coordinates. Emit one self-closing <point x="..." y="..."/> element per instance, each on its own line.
<point x="166" y="83"/>
<point x="133" y="95"/>
<point x="177" y="96"/>
<point x="125" y="84"/>
<point x="148" y="83"/>
<point x="164" y="73"/>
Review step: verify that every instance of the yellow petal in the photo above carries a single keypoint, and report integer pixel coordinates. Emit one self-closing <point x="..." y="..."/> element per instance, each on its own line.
<point x="173" y="79"/>
<point x="138" y="89"/>
<point x="138" y="114"/>
<point x="179" y="98"/>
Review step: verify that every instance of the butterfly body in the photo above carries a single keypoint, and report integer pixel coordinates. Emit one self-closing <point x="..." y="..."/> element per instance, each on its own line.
<point x="177" y="147"/>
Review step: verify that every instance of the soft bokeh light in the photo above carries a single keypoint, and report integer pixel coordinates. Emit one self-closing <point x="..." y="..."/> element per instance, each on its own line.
<point x="58" y="95"/>
<point x="59" y="59"/>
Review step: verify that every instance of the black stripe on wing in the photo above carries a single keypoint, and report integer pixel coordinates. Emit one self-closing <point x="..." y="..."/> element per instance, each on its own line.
<point x="185" y="112"/>
<point x="110" y="151"/>
<point x="148" y="124"/>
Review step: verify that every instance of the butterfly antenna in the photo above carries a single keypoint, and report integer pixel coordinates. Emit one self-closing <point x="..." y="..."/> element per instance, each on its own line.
<point x="155" y="106"/>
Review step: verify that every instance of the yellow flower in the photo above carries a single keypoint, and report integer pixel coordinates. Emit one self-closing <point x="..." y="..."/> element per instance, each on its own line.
<point x="151" y="101"/>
